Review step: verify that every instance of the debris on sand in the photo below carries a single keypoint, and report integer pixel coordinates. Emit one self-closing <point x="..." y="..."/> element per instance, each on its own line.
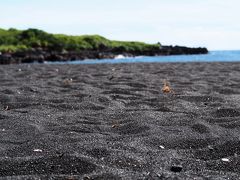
<point x="166" y="87"/>
<point x="6" y="108"/>
<point x="176" y="168"/>
<point x="162" y="147"/>
<point x="225" y="160"/>
<point x="38" y="150"/>
<point x="67" y="82"/>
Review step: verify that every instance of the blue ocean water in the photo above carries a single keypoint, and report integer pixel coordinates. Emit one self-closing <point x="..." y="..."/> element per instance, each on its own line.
<point x="212" y="56"/>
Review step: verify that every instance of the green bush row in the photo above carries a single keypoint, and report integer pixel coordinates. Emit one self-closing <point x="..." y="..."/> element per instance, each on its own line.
<point x="14" y="40"/>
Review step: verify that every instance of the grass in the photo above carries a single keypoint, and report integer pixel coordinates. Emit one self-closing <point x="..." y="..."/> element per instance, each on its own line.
<point x="13" y="40"/>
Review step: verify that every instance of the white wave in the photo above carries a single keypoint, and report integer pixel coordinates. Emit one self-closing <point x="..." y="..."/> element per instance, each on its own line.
<point x="120" y="56"/>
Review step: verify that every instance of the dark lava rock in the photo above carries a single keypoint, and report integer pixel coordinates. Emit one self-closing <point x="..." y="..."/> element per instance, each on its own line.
<point x="40" y="55"/>
<point x="176" y="169"/>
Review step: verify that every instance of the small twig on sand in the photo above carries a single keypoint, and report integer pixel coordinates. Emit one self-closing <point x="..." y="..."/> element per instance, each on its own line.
<point x="6" y="108"/>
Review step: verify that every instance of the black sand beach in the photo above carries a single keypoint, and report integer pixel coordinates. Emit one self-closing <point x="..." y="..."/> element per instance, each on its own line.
<point x="114" y="122"/>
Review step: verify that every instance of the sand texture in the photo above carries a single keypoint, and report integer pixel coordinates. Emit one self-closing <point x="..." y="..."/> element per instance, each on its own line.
<point x="114" y="122"/>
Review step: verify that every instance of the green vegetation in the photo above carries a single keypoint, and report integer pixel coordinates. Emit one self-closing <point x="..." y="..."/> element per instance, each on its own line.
<point x="13" y="40"/>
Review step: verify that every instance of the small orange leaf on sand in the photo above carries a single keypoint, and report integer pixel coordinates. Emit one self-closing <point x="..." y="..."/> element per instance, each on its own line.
<point x="166" y="87"/>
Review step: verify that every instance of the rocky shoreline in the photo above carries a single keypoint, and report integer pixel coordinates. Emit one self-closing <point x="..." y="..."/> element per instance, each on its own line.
<point x="40" y="55"/>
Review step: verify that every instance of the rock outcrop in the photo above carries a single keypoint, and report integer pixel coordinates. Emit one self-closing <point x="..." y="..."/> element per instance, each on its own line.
<point x="40" y="55"/>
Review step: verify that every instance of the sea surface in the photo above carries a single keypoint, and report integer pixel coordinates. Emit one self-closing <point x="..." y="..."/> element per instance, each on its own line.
<point x="212" y="56"/>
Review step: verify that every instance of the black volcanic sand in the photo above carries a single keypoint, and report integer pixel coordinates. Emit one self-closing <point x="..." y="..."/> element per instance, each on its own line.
<point x="113" y="121"/>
